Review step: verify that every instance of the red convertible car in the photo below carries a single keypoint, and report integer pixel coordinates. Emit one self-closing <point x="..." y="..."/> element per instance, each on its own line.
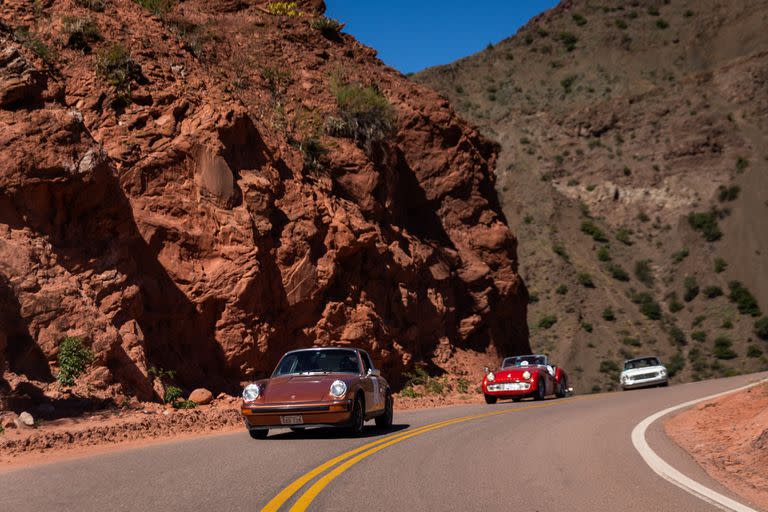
<point x="525" y="376"/>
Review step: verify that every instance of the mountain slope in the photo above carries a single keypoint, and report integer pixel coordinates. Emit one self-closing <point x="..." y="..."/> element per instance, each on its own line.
<point x="634" y="171"/>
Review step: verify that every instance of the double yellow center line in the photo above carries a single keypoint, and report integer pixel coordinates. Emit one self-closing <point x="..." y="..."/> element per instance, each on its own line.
<point x="352" y="457"/>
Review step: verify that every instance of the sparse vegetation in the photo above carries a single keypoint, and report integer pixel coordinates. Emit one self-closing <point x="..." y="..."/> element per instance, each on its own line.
<point x="723" y="348"/>
<point x="585" y="280"/>
<point x="283" y="9"/>
<point x="621" y="24"/>
<point x="761" y="328"/>
<point x="706" y="223"/>
<point x="118" y="69"/>
<point x="81" y="32"/>
<point x="677" y="336"/>
<point x="648" y="305"/>
<point x="74" y="357"/>
<point x="561" y="290"/>
<point x="745" y="301"/>
<point x="662" y="24"/>
<point x="569" y="41"/>
<point x="157" y="6"/>
<point x="674" y="304"/>
<point x="754" y="351"/>
<point x="617" y="272"/>
<point x="643" y="272"/>
<point x="579" y="19"/>
<point x="586" y="326"/>
<point x="603" y="253"/>
<point x="172" y="394"/>
<point x="365" y="114"/>
<point x="728" y="193"/>
<point x="634" y="342"/>
<point x="608" y="366"/>
<point x="609" y="315"/>
<point x="547" y="321"/>
<point x="699" y="336"/>
<point x="94" y="5"/>
<point x="676" y="364"/>
<point x="698" y="321"/>
<point x="691" y="288"/>
<point x="720" y="265"/>
<point x="329" y="27"/>
<point x="44" y="52"/>
<point x="560" y="251"/>
<point x="741" y="164"/>
<point x="712" y="292"/>
<point x="622" y="235"/>
<point x="589" y="228"/>
<point x="680" y="255"/>
<point x="567" y="83"/>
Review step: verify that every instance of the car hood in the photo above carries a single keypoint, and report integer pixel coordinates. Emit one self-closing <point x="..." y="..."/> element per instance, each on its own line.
<point x="301" y="388"/>
<point x="640" y="371"/>
<point x="513" y="374"/>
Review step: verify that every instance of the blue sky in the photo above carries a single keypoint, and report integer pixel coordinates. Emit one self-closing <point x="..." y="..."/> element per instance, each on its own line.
<point x="411" y="35"/>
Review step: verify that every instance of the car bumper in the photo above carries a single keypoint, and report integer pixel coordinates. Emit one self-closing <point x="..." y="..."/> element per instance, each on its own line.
<point x="327" y="413"/>
<point x="498" y="389"/>
<point x="644" y="383"/>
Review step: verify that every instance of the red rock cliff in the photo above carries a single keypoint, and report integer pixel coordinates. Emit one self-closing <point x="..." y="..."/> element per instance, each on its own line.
<point x="173" y="220"/>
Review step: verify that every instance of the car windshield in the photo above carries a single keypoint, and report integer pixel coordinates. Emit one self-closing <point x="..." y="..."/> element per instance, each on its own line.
<point x="510" y="362"/>
<point x="318" y="361"/>
<point x="641" y="363"/>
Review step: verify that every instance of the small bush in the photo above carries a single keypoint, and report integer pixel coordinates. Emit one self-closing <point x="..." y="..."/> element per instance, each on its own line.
<point x="632" y="341"/>
<point x="741" y="164"/>
<point x="366" y="114"/>
<point x="579" y="19"/>
<point x="754" y="351"/>
<point x="648" y="305"/>
<point x="569" y="41"/>
<point x="662" y="24"/>
<point x="533" y="298"/>
<point x="677" y="336"/>
<point x="116" y="66"/>
<point x="592" y="230"/>
<point x="156" y="6"/>
<point x="761" y="328"/>
<point x="586" y="326"/>
<point x="691" y="288"/>
<point x="680" y="255"/>
<point x="409" y="392"/>
<point x="676" y="364"/>
<point x="283" y="9"/>
<point x="745" y="301"/>
<point x="674" y="304"/>
<point x="313" y="152"/>
<point x="562" y="289"/>
<point x="728" y="193"/>
<point x="277" y="79"/>
<point x="603" y="253"/>
<point x="547" y="321"/>
<point x="727" y="324"/>
<point x="36" y="46"/>
<point x="74" y="357"/>
<point x="653" y="11"/>
<point x="698" y="320"/>
<point x="81" y="32"/>
<point x="720" y="265"/>
<point x="699" y="336"/>
<point x="712" y="292"/>
<point x="567" y="83"/>
<point x="560" y="251"/>
<point x="172" y="394"/>
<point x="621" y="24"/>
<point x="94" y="5"/>
<point x="184" y="404"/>
<point x="643" y="217"/>
<point x="608" y="366"/>
<point x="329" y="27"/>
<point x="609" y="315"/>
<point x="723" y="348"/>
<point x="585" y="280"/>
<point x="528" y="219"/>
<point x="618" y="273"/>
<point x="462" y="385"/>
<point x="706" y="223"/>
<point x="643" y="272"/>
<point x="622" y="235"/>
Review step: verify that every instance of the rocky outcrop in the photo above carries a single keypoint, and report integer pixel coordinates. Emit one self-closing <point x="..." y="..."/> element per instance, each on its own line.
<point x="184" y="230"/>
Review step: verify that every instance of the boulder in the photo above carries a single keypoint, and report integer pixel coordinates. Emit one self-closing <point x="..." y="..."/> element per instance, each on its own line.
<point x="201" y="396"/>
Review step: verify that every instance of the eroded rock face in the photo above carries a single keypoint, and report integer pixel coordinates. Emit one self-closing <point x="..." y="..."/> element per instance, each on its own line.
<point x="184" y="231"/>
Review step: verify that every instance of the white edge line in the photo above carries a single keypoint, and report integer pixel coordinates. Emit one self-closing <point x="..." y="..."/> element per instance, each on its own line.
<point x="663" y="469"/>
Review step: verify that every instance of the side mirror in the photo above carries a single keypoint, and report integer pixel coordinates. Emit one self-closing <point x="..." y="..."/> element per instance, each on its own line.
<point x="374" y="372"/>
<point x="486" y="369"/>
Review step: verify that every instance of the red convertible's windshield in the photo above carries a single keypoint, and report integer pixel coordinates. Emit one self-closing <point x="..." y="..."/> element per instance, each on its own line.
<point x="510" y="362"/>
<point x="318" y="361"/>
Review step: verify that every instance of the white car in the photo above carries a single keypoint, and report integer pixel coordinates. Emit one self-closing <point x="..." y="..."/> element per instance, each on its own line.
<point x="643" y="372"/>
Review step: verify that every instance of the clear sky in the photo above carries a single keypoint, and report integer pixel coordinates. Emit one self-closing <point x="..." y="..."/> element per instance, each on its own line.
<point x="411" y="35"/>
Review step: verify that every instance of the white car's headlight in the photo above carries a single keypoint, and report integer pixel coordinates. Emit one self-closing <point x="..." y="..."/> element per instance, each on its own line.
<point x="338" y="388"/>
<point x="251" y="392"/>
<point x="624" y="378"/>
<point x="526" y="375"/>
<point x="491" y="377"/>
<point x="663" y="371"/>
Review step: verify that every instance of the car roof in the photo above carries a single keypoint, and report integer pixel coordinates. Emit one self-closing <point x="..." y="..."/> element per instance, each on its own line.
<point x="639" y="358"/>
<point x="323" y="348"/>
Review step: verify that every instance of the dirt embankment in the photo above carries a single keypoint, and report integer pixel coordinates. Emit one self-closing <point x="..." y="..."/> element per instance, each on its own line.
<point x="728" y="437"/>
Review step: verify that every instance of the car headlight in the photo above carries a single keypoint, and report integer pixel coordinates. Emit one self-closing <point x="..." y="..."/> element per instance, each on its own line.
<point x="663" y="372"/>
<point x="251" y="392"/>
<point x="526" y="375"/>
<point x="338" y="388"/>
<point x="491" y="377"/>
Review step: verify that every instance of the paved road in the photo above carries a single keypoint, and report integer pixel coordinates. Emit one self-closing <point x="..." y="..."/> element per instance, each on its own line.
<point x="573" y="454"/>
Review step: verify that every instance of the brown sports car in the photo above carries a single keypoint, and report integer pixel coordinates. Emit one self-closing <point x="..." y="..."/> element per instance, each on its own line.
<point x="318" y="387"/>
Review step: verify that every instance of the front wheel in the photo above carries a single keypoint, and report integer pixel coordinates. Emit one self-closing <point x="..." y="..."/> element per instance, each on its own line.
<point x="258" y="433"/>
<point x="489" y="399"/>
<point x="385" y="419"/>
<point x="358" y="417"/>
<point x="540" y="391"/>
<point x="562" y="389"/>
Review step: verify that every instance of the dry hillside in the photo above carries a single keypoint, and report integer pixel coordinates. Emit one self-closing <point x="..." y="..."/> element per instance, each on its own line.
<point x="634" y="170"/>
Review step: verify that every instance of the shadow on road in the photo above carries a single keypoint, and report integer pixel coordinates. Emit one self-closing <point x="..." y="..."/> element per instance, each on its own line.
<point x="336" y="433"/>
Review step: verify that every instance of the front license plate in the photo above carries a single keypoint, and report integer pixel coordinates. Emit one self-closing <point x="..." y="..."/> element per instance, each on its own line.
<point x="511" y="387"/>
<point x="292" y="420"/>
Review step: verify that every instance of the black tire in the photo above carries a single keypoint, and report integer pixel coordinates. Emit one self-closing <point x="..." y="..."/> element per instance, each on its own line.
<point x="562" y="389"/>
<point x="664" y="385"/>
<point x="357" y="421"/>
<point x="517" y="399"/>
<point x="489" y="399"/>
<point x="258" y="433"/>
<point x="384" y="420"/>
<point x="297" y="429"/>
<point x="541" y="392"/>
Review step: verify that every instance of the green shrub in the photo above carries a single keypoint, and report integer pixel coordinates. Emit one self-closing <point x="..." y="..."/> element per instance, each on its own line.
<point x="643" y="272"/>
<point x="81" y="32"/>
<point x="699" y="336"/>
<point x="283" y="9"/>
<point x="277" y="79"/>
<point x="648" y="305"/>
<point x="761" y="328"/>
<point x="603" y="253"/>
<point x="560" y="251"/>
<point x="706" y="223"/>
<point x="643" y="217"/>
<point x="622" y="235"/>
<point x="569" y="41"/>
<point x="754" y="351"/>
<point x="562" y="289"/>
<point x="720" y="265"/>
<point x="567" y="83"/>
<point x="157" y="6"/>
<point x="579" y="19"/>
<point x="680" y="255"/>
<point x="35" y="45"/>
<point x="691" y="288"/>
<point x="528" y="219"/>
<point x="727" y="324"/>
<point x="462" y="385"/>
<point x="741" y="164"/>
<point x="586" y="326"/>
<point x="676" y="364"/>
<point x="313" y="152"/>
<point x="409" y="392"/>
<point x="329" y="27"/>
<point x="117" y="68"/>
<point x="712" y="292"/>
<point x="627" y="340"/>
<point x="662" y="24"/>
<point x="723" y="348"/>
<point x="533" y="298"/>
<point x="592" y="230"/>
<point x="434" y="386"/>
<point x="94" y="5"/>
<point x="547" y="321"/>
<point x="745" y="301"/>
<point x="677" y="336"/>
<point x="698" y="320"/>
<point x="366" y="115"/>
<point x="172" y="394"/>
<point x="184" y="404"/>
<point x="728" y="193"/>
<point x="617" y="272"/>
<point x="674" y="304"/>
<point x="653" y="11"/>
<point x="74" y="357"/>
<point x="585" y="280"/>
<point x="608" y="366"/>
<point x="608" y="314"/>
<point x="621" y="24"/>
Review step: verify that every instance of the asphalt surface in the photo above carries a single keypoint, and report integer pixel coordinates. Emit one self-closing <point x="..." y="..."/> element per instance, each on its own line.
<point x="570" y="454"/>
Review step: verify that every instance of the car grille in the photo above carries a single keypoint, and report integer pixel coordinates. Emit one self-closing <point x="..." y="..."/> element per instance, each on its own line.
<point x="644" y="376"/>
